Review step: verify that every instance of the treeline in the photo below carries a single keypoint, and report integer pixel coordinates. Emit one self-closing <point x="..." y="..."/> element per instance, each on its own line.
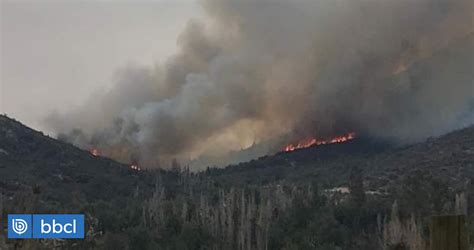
<point x="183" y="210"/>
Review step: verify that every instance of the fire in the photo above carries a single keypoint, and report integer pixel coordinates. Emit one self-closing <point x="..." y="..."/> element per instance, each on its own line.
<point x="95" y="152"/>
<point x="315" y="142"/>
<point x="135" y="167"/>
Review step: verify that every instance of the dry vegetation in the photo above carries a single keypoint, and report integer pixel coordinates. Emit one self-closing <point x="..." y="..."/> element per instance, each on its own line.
<point x="288" y="201"/>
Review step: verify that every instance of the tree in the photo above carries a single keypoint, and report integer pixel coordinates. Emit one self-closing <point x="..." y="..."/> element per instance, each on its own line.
<point x="356" y="187"/>
<point x="175" y="166"/>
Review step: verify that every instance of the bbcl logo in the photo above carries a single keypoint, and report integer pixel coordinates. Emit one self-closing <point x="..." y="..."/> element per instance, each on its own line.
<point x="46" y="226"/>
<point x="19" y="226"/>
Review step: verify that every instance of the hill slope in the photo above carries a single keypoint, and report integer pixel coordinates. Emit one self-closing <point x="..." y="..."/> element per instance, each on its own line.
<point x="31" y="161"/>
<point x="40" y="174"/>
<point x="449" y="157"/>
<point x="28" y="160"/>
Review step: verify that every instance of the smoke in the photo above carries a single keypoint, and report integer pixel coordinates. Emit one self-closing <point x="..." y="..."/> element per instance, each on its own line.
<point x="254" y="71"/>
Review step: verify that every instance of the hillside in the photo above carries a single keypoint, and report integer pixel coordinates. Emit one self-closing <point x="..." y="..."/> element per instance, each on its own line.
<point x="449" y="157"/>
<point x="61" y="173"/>
<point x="275" y="197"/>
<point x="29" y="159"/>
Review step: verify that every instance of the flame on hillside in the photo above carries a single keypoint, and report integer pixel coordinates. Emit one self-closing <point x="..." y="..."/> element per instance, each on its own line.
<point x="135" y="167"/>
<point x="315" y="142"/>
<point x="94" y="152"/>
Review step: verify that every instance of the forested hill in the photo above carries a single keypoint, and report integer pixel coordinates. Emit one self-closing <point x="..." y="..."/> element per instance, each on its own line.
<point x="449" y="157"/>
<point x="336" y="196"/>
<point x="30" y="161"/>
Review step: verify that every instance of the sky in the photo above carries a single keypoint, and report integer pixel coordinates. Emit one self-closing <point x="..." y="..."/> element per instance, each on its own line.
<point x="55" y="54"/>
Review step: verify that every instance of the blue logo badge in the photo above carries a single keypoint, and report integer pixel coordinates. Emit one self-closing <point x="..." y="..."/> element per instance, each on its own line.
<point x="64" y="226"/>
<point x="58" y="226"/>
<point x="19" y="226"/>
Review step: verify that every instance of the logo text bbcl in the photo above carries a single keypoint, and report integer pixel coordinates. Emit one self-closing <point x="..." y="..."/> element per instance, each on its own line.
<point x="46" y="226"/>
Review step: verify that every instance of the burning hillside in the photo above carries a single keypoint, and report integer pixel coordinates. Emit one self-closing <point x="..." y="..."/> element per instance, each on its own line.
<point x="95" y="152"/>
<point x="275" y="124"/>
<point x="255" y="71"/>
<point x="316" y="142"/>
<point x="28" y="158"/>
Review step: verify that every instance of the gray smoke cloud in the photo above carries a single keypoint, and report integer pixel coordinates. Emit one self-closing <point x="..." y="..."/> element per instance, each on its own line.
<point x="259" y="70"/>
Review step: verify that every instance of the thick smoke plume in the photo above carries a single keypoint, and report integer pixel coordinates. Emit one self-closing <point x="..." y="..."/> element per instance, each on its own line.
<point x="256" y="71"/>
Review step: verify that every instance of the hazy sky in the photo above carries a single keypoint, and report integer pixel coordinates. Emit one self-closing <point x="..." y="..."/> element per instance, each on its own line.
<point x="54" y="54"/>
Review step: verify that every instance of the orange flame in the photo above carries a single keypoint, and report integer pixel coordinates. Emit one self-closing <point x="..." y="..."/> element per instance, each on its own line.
<point x="315" y="142"/>
<point x="95" y="152"/>
<point x="135" y="167"/>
